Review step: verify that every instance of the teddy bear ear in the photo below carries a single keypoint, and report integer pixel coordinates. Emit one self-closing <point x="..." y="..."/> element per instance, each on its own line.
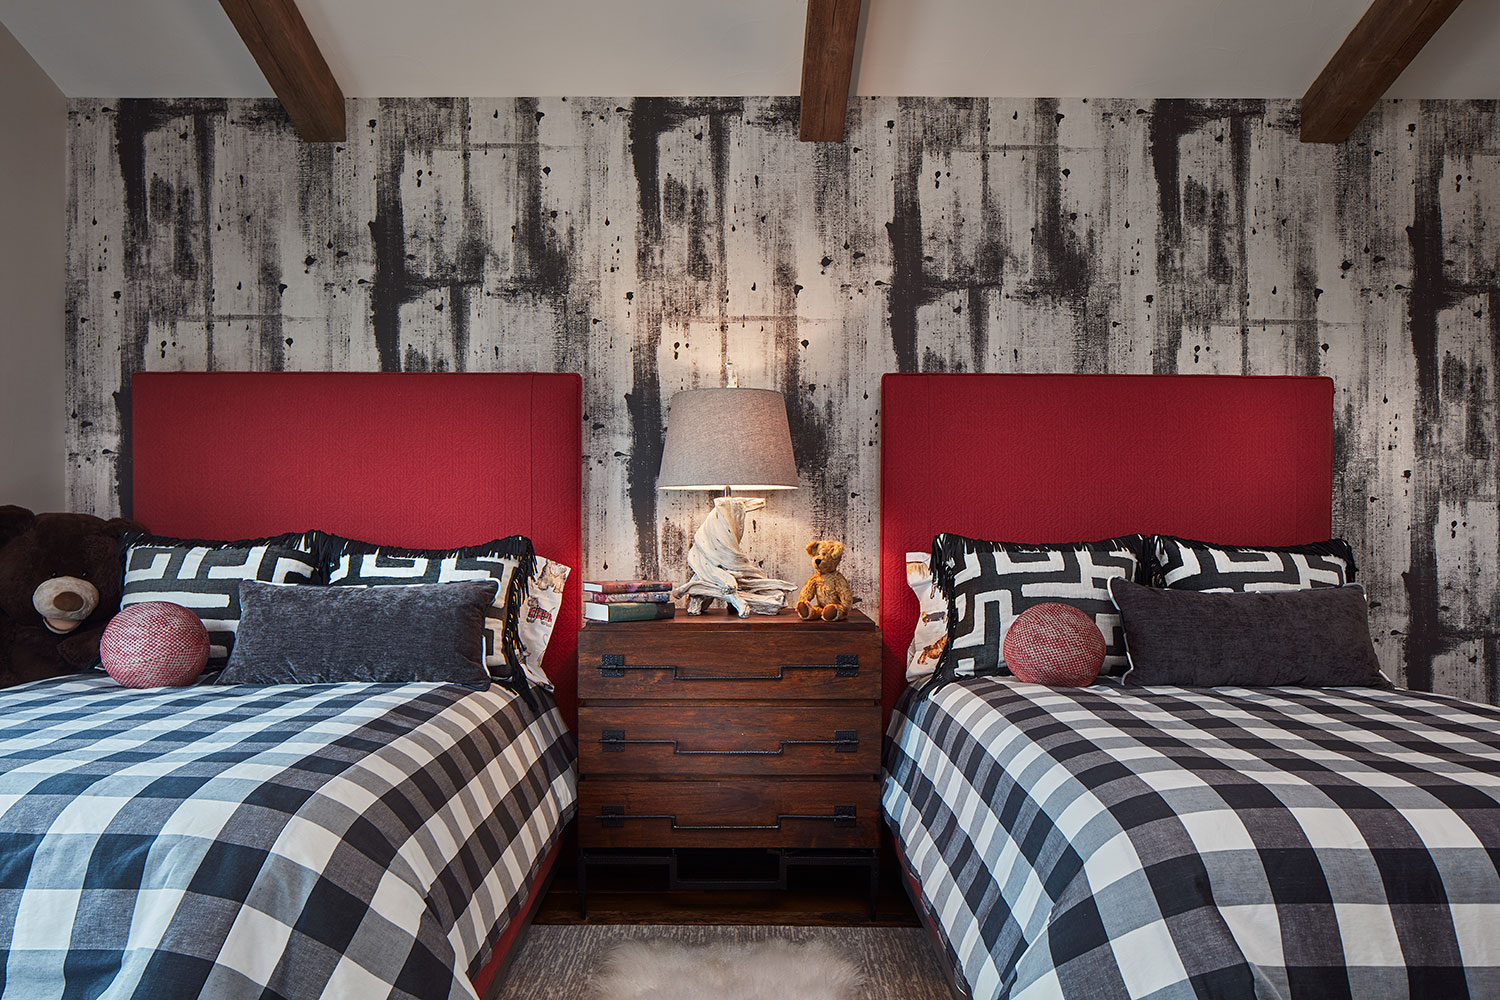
<point x="836" y="549"/>
<point x="812" y="548"/>
<point x="13" y="521"/>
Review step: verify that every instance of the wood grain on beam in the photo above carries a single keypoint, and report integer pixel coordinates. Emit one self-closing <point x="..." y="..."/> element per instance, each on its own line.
<point x="1381" y="45"/>
<point x="827" y="64"/>
<point x="276" y="35"/>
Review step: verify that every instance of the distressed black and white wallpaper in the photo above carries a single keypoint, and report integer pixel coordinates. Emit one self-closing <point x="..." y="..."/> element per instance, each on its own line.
<point x="653" y="243"/>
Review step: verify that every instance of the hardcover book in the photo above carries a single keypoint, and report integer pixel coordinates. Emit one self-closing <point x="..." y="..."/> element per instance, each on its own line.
<point x="632" y="611"/>
<point x="625" y="586"/>
<point x="649" y="596"/>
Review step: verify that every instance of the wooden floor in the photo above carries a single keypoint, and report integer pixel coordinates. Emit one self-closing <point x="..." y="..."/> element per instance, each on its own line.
<point x="815" y="898"/>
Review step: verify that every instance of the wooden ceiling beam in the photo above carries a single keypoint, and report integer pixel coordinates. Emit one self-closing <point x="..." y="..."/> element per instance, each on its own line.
<point x="277" y="36"/>
<point x="827" y="65"/>
<point x="1382" y="44"/>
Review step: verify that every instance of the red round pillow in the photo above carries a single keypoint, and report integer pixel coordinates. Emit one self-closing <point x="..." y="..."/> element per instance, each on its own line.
<point x="154" y="644"/>
<point x="1054" y="644"/>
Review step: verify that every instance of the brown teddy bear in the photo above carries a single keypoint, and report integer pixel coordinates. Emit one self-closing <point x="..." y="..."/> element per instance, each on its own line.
<point x="826" y="594"/>
<point x="59" y="586"/>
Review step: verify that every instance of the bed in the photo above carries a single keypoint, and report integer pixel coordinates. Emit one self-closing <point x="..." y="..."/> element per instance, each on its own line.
<point x="1164" y="842"/>
<point x="296" y="841"/>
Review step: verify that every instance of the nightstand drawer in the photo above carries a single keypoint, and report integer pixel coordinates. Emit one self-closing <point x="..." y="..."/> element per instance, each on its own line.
<point x="730" y="812"/>
<point x="750" y="739"/>
<point x="664" y="663"/>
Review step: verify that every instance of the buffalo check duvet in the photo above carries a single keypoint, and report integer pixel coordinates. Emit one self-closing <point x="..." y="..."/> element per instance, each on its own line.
<point x="350" y="841"/>
<point x="1111" y="842"/>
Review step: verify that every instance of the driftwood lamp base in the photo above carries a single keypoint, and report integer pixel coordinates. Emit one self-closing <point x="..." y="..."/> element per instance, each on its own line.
<point x="722" y="571"/>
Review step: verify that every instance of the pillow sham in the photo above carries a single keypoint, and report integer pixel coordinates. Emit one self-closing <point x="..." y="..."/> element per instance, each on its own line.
<point x="1317" y="637"/>
<point x="931" y="634"/>
<point x="539" y="616"/>
<point x="205" y="576"/>
<point x="510" y="562"/>
<point x="339" y="635"/>
<point x="987" y="584"/>
<point x="1183" y="564"/>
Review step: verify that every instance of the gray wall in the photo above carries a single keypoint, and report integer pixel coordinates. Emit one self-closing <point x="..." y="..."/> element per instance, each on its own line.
<point x="33" y="122"/>
<point x="647" y="243"/>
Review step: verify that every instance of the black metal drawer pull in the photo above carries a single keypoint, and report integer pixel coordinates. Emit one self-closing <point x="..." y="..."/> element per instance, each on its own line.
<point x="614" y="817"/>
<point x="844" y="741"/>
<point x="843" y="665"/>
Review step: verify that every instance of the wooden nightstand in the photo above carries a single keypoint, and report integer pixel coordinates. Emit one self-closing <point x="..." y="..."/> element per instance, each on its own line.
<point x="713" y="731"/>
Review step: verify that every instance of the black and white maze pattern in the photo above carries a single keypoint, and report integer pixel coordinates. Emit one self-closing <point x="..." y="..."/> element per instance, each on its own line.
<point x="990" y="588"/>
<point x="648" y="243"/>
<point x="1185" y="566"/>
<point x="206" y="581"/>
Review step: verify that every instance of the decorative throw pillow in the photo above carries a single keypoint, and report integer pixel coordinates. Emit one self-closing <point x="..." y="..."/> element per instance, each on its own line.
<point x="154" y="644"/>
<point x="510" y="562"/>
<point x="339" y="635"/>
<point x="1317" y="637"/>
<point x="1054" y="644"/>
<point x="538" y="616"/>
<point x="204" y="576"/>
<point x="931" y="634"/>
<point x="989" y="583"/>
<point x="1183" y="564"/>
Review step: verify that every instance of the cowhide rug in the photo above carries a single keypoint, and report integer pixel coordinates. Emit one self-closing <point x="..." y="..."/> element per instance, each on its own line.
<point x="762" y="970"/>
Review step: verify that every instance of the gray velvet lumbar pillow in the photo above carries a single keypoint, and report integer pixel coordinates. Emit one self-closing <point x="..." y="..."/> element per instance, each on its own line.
<point x="337" y="635"/>
<point x="1299" y="638"/>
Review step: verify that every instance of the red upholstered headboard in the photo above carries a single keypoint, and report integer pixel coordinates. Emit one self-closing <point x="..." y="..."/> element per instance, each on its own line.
<point x="415" y="460"/>
<point x="1053" y="458"/>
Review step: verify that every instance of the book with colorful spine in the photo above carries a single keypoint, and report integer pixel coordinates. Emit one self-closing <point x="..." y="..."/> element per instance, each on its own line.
<point x="641" y="597"/>
<point x="629" y="611"/>
<point x="626" y="586"/>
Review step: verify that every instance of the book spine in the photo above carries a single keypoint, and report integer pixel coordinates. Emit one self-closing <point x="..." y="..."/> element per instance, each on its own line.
<point x="639" y="597"/>
<point x="626" y="586"/>
<point x="628" y="612"/>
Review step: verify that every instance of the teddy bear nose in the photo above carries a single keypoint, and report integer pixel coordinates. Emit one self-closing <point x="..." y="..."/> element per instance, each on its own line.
<point x="66" y="598"/>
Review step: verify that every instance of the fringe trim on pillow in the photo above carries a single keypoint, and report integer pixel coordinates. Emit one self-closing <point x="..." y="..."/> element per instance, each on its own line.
<point x="948" y="551"/>
<point x="311" y="543"/>
<point x="303" y="541"/>
<point x="517" y="547"/>
<point x="1335" y="547"/>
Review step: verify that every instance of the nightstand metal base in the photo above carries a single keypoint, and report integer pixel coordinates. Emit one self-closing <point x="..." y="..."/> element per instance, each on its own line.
<point x="670" y="859"/>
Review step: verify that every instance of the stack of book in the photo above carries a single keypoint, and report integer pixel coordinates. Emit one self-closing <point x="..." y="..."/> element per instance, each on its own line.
<point x="627" y="600"/>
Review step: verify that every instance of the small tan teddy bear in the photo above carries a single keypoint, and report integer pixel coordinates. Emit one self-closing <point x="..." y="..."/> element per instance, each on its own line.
<point x="826" y="593"/>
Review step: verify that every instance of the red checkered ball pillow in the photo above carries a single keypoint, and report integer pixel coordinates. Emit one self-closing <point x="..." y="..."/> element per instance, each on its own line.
<point x="1054" y="644"/>
<point x="154" y="644"/>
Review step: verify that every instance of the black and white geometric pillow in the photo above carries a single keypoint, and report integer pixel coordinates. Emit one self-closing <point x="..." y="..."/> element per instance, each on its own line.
<point x="204" y="576"/>
<point x="511" y="561"/>
<point x="989" y="583"/>
<point x="1183" y="564"/>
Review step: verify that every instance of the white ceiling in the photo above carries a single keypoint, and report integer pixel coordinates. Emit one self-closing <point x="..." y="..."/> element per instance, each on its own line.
<point x="1055" y="48"/>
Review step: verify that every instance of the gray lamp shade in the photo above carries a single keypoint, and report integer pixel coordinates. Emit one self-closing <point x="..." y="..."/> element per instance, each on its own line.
<point x="728" y="439"/>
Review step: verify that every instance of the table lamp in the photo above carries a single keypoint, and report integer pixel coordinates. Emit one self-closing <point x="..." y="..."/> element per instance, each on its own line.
<point x="728" y="439"/>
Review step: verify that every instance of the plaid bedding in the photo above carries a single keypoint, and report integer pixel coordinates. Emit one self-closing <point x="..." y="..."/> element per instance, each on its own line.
<point x="1112" y="842"/>
<point x="353" y="840"/>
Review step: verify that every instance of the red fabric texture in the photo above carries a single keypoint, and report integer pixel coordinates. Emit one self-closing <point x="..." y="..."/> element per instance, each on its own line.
<point x="1054" y="644"/>
<point x="154" y="644"/>
<point x="404" y="459"/>
<point x="1058" y="458"/>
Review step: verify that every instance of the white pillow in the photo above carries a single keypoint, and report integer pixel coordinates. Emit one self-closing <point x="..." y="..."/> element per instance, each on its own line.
<point x="931" y="636"/>
<point x="538" y="615"/>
